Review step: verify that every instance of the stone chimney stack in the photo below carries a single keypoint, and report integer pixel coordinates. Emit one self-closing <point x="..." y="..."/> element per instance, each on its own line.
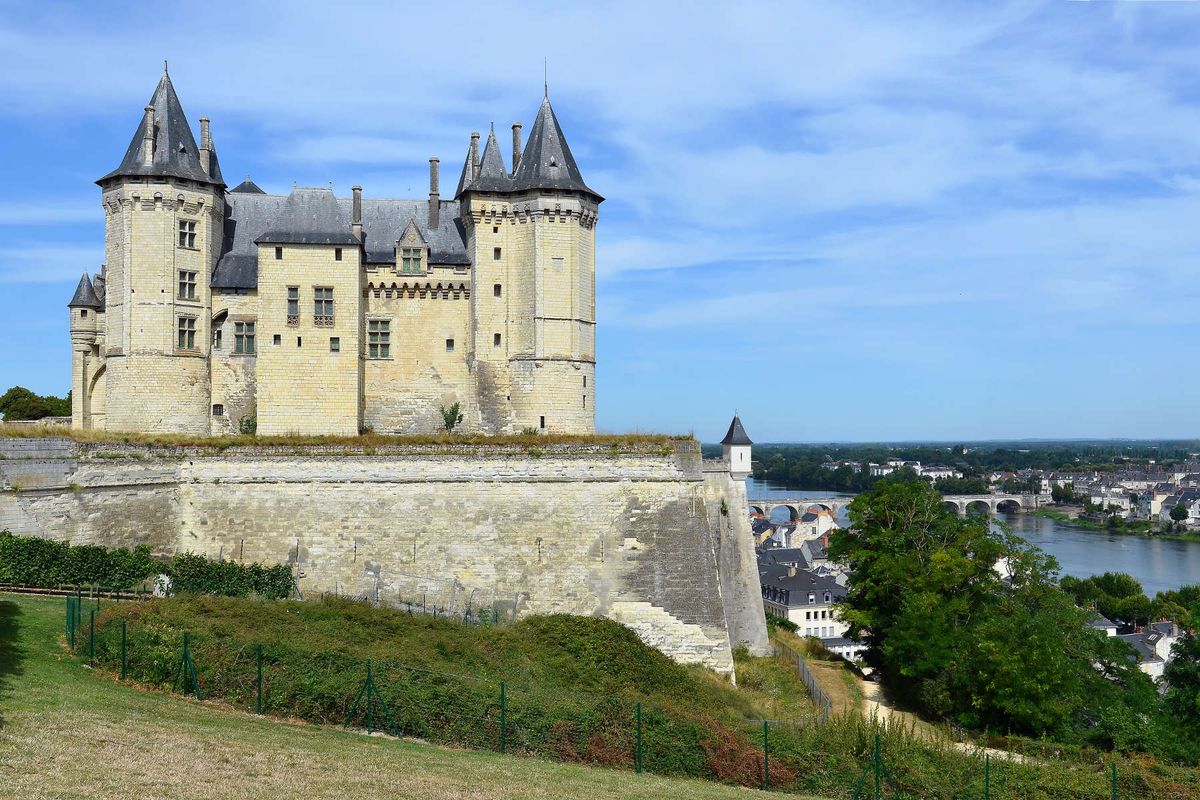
<point x="206" y="146"/>
<point x="516" y="146"/>
<point x="474" y="155"/>
<point x="435" y="200"/>
<point x="356" y="220"/>
<point x="148" y="138"/>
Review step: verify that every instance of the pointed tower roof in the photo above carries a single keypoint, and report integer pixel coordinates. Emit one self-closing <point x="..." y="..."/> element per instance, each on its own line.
<point x="175" y="153"/>
<point x="464" y="180"/>
<point x="737" y="434"/>
<point x="493" y="176"/>
<point x="547" y="162"/>
<point x="85" y="295"/>
<point x="247" y="187"/>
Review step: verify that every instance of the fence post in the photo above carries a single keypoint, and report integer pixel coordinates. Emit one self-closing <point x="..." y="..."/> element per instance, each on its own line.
<point x="91" y="637"/>
<point x="370" y="687"/>
<point x="70" y="621"/>
<point x="503" y="719"/>
<point x="638" y="751"/>
<point x="122" y="649"/>
<point x="258" y="702"/>
<point x="878" y="771"/>
<point x="1114" y="780"/>
<point x="987" y="776"/>
<point x="766" y="758"/>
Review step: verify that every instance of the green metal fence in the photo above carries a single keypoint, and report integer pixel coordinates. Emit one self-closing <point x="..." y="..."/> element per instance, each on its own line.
<point x="398" y="699"/>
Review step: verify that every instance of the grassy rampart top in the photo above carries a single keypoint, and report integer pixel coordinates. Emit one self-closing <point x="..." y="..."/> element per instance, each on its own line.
<point x="94" y="442"/>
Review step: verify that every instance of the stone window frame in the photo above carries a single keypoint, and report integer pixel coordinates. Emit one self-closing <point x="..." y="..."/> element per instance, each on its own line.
<point x="187" y="234"/>
<point x="245" y="336"/>
<point x="335" y="344"/>
<point x="185" y="333"/>
<point x="323" y="306"/>
<point x="293" y="306"/>
<point x="411" y="260"/>
<point x="187" y="284"/>
<point x="218" y="409"/>
<point x="381" y="348"/>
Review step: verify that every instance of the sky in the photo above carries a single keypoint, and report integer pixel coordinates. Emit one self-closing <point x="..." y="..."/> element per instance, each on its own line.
<point x="848" y="222"/>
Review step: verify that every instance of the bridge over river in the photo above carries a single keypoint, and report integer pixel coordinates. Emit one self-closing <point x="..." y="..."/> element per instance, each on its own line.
<point x="961" y="503"/>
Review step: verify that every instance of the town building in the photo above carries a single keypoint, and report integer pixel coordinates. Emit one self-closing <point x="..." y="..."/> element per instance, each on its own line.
<point x="219" y="310"/>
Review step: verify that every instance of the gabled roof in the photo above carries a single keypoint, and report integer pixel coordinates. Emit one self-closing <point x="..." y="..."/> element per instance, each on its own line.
<point x="415" y="228"/>
<point x="247" y="187"/>
<point x="85" y="295"/>
<point x="547" y="162"/>
<point x="736" y="434"/>
<point x="175" y="153"/>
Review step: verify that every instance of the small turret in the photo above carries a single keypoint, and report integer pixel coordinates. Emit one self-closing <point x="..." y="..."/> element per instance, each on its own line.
<point x="736" y="449"/>
<point x="84" y="307"/>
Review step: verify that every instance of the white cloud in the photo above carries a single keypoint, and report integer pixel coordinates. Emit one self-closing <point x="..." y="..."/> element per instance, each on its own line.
<point x="50" y="264"/>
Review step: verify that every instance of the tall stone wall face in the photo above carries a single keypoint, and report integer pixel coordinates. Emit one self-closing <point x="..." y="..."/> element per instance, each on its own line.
<point x="638" y="537"/>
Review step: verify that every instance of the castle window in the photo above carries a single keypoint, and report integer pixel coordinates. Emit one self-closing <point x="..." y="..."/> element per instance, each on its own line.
<point x="335" y="344"/>
<point x="187" y="285"/>
<point x="542" y="422"/>
<point x="496" y="290"/>
<point x="495" y="254"/>
<point x="277" y="340"/>
<point x="279" y="254"/>
<point x="557" y="263"/>
<point x="379" y="336"/>
<point x="323" y="306"/>
<point x="337" y="254"/>
<point x="585" y="381"/>
<point x="218" y="410"/>
<point x="83" y="313"/>
<point x="585" y="401"/>
<point x="293" y="305"/>
<point x="187" y="233"/>
<point x="410" y="259"/>
<point x="495" y="229"/>
<point x="243" y="338"/>
<point x="187" y="333"/>
<point x="216" y="339"/>
<point x="449" y="345"/>
<point x="495" y="340"/>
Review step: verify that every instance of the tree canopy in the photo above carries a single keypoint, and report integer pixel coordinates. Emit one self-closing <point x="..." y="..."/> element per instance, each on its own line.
<point x="19" y="403"/>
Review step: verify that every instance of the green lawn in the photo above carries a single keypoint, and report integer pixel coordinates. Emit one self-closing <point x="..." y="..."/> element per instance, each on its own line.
<point x="68" y="733"/>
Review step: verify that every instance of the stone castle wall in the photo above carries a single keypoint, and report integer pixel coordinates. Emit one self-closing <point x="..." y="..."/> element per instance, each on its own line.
<point x="636" y="536"/>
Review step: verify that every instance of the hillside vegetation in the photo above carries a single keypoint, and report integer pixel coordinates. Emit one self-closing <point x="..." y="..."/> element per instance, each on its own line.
<point x="571" y="688"/>
<point x="66" y="733"/>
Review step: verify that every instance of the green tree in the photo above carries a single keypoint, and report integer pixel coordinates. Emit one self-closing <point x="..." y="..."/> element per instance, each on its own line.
<point x="1183" y="679"/>
<point x="450" y="416"/>
<point x="951" y="634"/>
<point x="1179" y="513"/>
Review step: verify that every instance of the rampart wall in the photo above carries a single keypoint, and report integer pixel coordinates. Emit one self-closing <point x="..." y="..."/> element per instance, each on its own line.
<point x="634" y="533"/>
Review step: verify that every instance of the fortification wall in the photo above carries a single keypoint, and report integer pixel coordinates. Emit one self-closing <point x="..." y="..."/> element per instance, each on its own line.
<point x="638" y="536"/>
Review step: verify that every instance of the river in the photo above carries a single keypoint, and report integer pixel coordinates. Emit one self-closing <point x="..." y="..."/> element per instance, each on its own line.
<point x="1159" y="564"/>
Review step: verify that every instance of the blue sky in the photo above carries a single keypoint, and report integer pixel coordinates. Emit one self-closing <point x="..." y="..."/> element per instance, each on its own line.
<point x="871" y="221"/>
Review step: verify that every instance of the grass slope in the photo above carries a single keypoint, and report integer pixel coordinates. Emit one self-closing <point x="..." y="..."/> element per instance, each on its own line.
<point x="68" y="733"/>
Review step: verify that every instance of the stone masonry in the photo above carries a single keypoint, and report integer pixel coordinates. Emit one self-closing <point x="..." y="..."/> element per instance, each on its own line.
<point x="636" y="535"/>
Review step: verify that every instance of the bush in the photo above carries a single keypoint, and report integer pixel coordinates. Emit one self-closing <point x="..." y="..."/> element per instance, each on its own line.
<point x="44" y="563"/>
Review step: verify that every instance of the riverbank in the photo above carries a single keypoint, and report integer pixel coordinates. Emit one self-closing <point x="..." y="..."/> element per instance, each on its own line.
<point x="1141" y="528"/>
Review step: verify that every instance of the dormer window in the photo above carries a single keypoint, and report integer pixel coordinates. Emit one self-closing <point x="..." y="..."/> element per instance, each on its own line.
<point x="410" y="260"/>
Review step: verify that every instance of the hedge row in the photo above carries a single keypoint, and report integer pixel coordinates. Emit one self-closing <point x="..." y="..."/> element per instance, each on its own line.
<point x="44" y="563"/>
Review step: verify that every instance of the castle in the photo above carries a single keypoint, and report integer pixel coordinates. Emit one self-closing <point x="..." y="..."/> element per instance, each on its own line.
<point x="220" y="310"/>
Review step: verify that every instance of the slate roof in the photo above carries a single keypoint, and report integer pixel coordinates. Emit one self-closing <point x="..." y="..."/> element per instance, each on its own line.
<point x="493" y="177"/>
<point x="175" y="151"/>
<point x="737" y="434"/>
<point x="85" y="295"/>
<point x="547" y="162"/>
<point x="776" y="580"/>
<point x="247" y="187"/>
<point x="266" y="217"/>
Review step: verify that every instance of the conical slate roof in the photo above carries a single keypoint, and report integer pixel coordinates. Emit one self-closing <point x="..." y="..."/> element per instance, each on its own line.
<point x="547" y="162"/>
<point x="464" y="180"/>
<point x="493" y="176"/>
<point x="737" y="434"/>
<point x="85" y="295"/>
<point x="248" y="187"/>
<point x="175" y="152"/>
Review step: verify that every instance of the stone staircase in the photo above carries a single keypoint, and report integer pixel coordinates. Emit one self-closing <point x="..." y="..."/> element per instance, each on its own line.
<point x="687" y="643"/>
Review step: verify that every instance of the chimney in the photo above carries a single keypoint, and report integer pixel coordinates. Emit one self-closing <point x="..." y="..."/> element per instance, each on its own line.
<point x="435" y="200"/>
<point x="148" y="138"/>
<point x="205" y="146"/>
<point x="356" y="221"/>
<point x="791" y="570"/>
<point x="474" y="155"/>
<point x="516" y="146"/>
